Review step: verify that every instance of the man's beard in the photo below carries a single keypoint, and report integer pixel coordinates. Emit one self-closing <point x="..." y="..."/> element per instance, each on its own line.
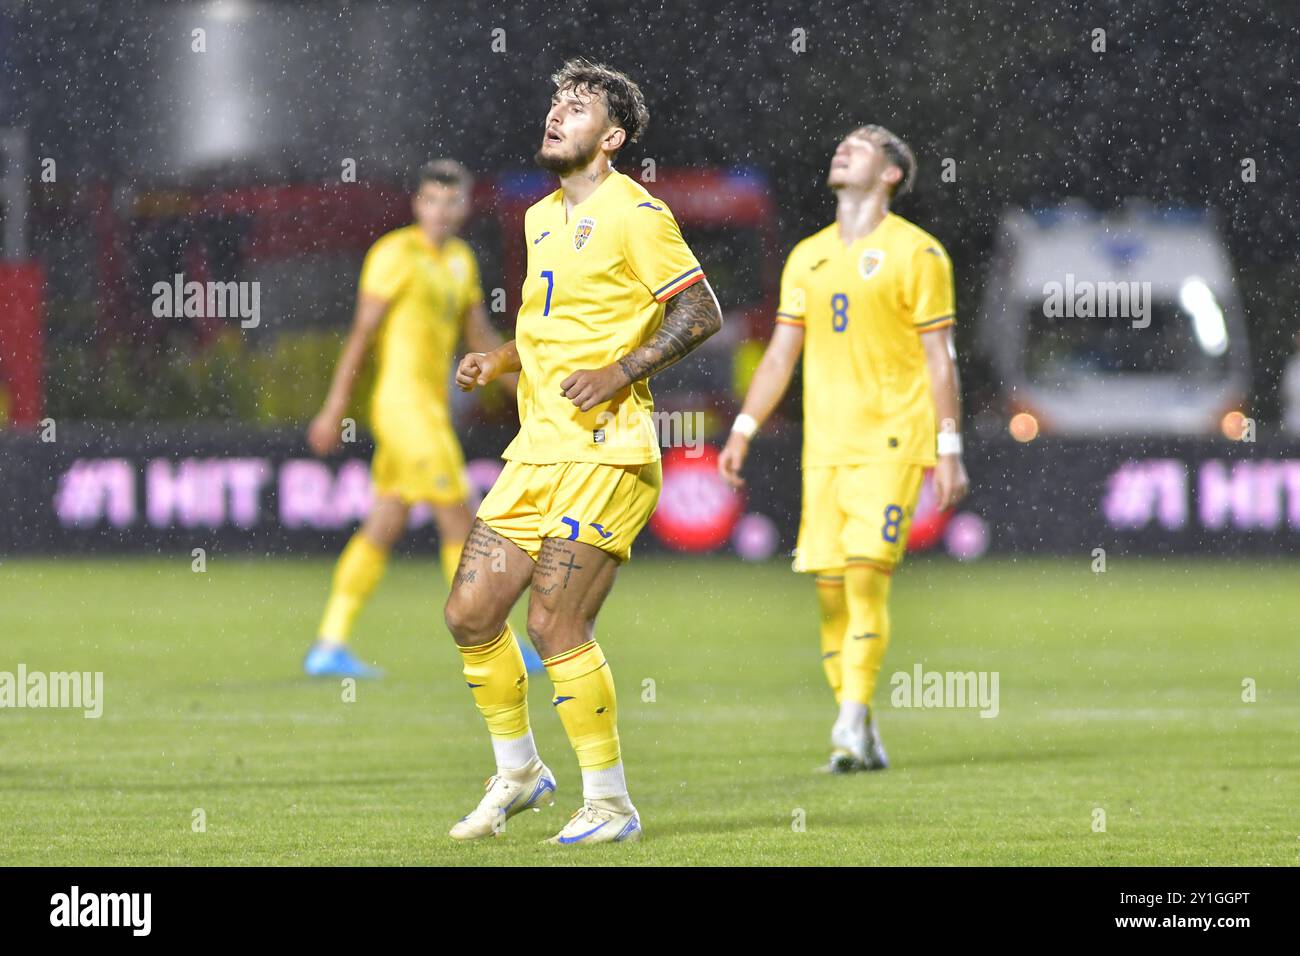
<point x="562" y="165"/>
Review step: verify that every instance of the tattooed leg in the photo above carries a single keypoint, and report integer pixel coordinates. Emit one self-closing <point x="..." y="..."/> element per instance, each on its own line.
<point x="492" y="573"/>
<point x="570" y="584"/>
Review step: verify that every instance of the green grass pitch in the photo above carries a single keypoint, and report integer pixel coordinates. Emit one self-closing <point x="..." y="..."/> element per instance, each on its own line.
<point x="1119" y="692"/>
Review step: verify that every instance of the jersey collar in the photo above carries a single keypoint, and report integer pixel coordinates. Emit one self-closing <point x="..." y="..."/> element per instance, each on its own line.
<point x="587" y="203"/>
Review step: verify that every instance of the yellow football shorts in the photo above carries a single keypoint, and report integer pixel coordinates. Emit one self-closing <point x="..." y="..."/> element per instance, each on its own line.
<point x="605" y="506"/>
<point x="417" y="458"/>
<point x="856" y="513"/>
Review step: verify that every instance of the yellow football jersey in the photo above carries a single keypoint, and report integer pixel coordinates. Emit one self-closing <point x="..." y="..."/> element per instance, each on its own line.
<point x="429" y="291"/>
<point x="598" y="278"/>
<point x="866" y="385"/>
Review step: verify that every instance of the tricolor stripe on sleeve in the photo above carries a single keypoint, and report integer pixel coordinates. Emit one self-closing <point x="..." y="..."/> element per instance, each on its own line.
<point x="670" y="289"/>
<point x="788" y="319"/>
<point x="931" y="324"/>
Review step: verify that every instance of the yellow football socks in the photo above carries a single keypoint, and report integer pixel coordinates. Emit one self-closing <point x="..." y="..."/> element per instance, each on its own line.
<point x="866" y="592"/>
<point x="584" y="699"/>
<point x="359" y="569"/>
<point x="834" y="625"/>
<point x="497" y="678"/>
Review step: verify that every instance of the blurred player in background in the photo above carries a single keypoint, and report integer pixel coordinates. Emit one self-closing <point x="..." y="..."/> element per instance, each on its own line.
<point x="419" y="296"/>
<point x="612" y="296"/>
<point x="869" y="302"/>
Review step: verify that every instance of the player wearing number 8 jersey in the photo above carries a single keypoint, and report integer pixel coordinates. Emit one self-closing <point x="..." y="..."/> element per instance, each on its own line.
<point x="868" y="300"/>
<point x="613" y="295"/>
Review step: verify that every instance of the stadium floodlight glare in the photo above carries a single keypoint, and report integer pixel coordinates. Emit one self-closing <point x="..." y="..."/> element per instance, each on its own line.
<point x="1207" y="318"/>
<point x="1023" y="427"/>
<point x="1233" y="425"/>
<point x="229" y="11"/>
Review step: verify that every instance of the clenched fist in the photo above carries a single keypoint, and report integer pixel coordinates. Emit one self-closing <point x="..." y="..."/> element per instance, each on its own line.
<point x="477" y="369"/>
<point x="589" y="387"/>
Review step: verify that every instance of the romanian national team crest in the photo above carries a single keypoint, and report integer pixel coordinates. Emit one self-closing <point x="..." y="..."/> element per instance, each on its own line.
<point x="870" y="262"/>
<point x="586" y="226"/>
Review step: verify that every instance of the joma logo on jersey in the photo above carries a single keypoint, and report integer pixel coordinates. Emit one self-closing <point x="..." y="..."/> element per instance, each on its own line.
<point x="870" y="262"/>
<point x="586" y="226"/>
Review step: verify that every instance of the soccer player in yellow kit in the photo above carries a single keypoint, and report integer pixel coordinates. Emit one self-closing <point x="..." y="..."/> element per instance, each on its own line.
<point x="869" y="302"/>
<point x="613" y="295"/>
<point x="419" y="295"/>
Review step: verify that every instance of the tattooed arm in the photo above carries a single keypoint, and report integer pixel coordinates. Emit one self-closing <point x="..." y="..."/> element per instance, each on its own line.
<point x="691" y="317"/>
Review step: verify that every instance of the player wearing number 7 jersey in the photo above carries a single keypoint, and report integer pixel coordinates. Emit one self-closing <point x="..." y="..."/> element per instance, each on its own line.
<point x="613" y="295"/>
<point x="869" y="302"/>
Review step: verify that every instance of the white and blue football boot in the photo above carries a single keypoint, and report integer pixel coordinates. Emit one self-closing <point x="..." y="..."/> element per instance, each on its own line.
<point x="612" y="820"/>
<point x="508" y="793"/>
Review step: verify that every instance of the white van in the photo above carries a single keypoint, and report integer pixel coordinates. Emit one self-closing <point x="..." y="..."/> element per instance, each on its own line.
<point x="1126" y="323"/>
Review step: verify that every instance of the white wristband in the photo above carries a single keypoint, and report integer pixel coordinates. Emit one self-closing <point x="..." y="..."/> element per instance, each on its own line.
<point x="949" y="443"/>
<point x="745" y="424"/>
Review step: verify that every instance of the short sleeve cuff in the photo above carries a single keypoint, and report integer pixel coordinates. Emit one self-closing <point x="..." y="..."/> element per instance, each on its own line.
<point x="673" y="286"/>
<point x="938" y="322"/>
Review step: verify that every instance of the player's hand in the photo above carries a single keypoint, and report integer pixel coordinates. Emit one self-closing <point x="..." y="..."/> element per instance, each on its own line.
<point x="732" y="459"/>
<point x="950" y="481"/>
<point x="476" y="369"/>
<point x="325" y="433"/>
<point x="589" y="387"/>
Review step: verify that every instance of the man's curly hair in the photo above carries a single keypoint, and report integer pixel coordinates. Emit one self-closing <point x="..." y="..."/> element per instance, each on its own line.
<point x="623" y="99"/>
